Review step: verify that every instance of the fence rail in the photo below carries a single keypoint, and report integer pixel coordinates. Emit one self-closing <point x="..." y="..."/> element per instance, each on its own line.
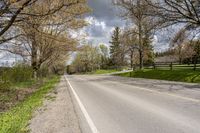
<point x="173" y="66"/>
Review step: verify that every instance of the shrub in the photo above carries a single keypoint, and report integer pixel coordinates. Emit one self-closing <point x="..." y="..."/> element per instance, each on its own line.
<point x="4" y="81"/>
<point x="43" y="72"/>
<point x="21" y="73"/>
<point x="4" y="86"/>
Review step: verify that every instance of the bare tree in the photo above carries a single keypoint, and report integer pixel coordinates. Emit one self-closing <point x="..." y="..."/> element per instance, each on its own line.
<point x="9" y="11"/>
<point x="13" y="12"/>
<point x="178" y="41"/>
<point x="145" y="25"/>
<point x="130" y="41"/>
<point x="46" y="38"/>
<point x="177" y="11"/>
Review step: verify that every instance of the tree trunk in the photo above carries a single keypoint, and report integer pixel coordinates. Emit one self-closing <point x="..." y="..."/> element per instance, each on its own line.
<point x="141" y="59"/>
<point x="195" y="63"/>
<point x="132" y="60"/>
<point x="180" y="59"/>
<point x="34" y="58"/>
<point x="140" y="34"/>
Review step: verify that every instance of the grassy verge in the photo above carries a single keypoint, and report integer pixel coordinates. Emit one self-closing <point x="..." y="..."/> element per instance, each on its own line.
<point x="13" y="93"/>
<point x="25" y="84"/>
<point x="104" y="71"/>
<point x="175" y="75"/>
<point x="16" y="119"/>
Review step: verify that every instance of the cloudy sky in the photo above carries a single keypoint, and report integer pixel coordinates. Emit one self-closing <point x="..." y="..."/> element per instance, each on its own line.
<point x="102" y="21"/>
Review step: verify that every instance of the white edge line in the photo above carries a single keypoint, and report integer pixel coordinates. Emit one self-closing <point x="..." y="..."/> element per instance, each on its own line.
<point x="85" y="113"/>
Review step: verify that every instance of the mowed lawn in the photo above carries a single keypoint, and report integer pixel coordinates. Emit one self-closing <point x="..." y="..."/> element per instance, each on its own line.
<point x="102" y="71"/>
<point x="181" y="75"/>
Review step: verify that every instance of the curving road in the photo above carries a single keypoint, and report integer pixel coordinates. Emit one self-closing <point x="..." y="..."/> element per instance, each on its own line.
<point x="125" y="105"/>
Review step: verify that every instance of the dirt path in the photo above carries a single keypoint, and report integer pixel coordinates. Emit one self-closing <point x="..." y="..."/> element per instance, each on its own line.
<point x="57" y="116"/>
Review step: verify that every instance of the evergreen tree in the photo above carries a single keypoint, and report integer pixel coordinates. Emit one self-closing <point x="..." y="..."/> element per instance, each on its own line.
<point x="115" y="47"/>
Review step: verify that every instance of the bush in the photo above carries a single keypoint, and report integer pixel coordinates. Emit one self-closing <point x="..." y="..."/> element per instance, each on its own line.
<point x="4" y="86"/>
<point x="43" y="72"/>
<point x="19" y="73"/>
<point x="5" y="82"/>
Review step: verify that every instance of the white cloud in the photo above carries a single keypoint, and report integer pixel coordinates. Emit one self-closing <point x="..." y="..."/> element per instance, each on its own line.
<point x="155" y="40"/>
<point x="93" y="21"/>
<point x="2" y="54"/>
<point x="97" y="32"/>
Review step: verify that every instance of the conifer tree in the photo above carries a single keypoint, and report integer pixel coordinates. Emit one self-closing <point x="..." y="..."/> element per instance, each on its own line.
<point x="115" y="47"/>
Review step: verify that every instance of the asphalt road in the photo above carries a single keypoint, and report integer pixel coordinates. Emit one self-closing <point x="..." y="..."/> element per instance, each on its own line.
<point x="125" y="105"/>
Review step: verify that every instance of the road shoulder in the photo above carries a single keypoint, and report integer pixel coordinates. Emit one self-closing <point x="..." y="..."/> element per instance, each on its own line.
<point x="58" y="114"/>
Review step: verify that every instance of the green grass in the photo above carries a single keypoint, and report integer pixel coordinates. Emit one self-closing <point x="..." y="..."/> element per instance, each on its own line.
<point x="8" y="94"/>
<point x="25" y="84"/>
<point x="101" y="71"/>
<point x="175" y="75"/>
<point x="16" y="119"/>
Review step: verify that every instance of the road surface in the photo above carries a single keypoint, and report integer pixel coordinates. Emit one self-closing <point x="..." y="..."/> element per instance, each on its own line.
<point x="126" y="105"/>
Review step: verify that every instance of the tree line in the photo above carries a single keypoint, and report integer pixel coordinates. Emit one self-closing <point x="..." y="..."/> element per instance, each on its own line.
<point x="133" y="44"/>
<point x="39" y="30"/>
<point x="149" y="16"/>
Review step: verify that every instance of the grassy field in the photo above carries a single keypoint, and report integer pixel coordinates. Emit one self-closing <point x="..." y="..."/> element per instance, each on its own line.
<point x="104" y="71"/>
<point x="175" y="75"/>
<point x="16" y="119"/>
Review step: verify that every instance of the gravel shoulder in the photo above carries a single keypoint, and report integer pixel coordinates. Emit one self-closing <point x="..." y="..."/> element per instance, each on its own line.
<point x="58" y="114"/>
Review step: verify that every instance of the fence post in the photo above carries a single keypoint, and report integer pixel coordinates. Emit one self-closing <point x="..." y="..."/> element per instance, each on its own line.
<point x="195" y="63"/>
<point x="154" y="66"/>
<point x="134" y="67"/>
<point x="171" y="66"/>
<point x="195" y="66"/>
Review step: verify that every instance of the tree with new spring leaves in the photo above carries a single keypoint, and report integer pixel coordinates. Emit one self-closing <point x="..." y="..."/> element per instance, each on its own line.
<point x="87" y="59"/>
<point x="13" y="12"/>
<point x="144" y="24"/>
<point x="41" y="29"/>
